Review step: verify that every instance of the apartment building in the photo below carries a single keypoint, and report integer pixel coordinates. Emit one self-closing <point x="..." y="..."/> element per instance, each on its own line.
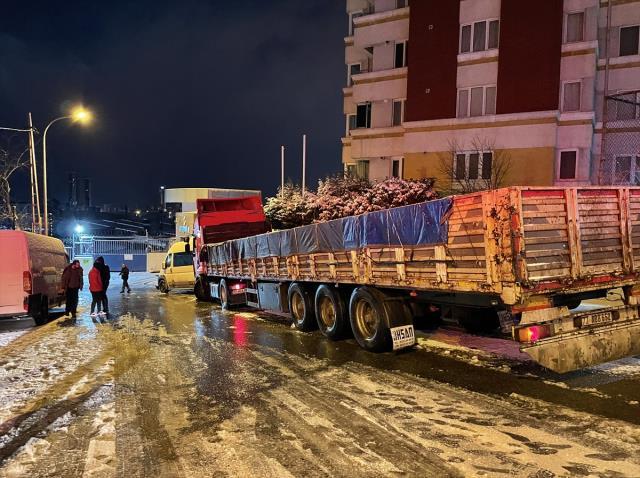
<point x="509" y="91"/>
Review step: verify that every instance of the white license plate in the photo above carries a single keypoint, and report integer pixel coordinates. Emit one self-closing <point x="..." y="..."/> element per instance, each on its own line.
<point x="237" y="291"/>
<point x="596" y="319"/>
<point x="402" y="336"/>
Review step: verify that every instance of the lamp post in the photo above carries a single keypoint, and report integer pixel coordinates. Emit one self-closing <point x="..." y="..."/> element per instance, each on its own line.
<point x="78" y="114"/>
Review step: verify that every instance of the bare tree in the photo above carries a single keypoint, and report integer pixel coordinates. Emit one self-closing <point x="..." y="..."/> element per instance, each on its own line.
<point x="477" y="166"/>
<point x="13" y="157"/>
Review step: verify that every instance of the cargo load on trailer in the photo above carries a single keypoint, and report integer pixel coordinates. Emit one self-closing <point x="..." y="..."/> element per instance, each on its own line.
<point x="521" y="258"/>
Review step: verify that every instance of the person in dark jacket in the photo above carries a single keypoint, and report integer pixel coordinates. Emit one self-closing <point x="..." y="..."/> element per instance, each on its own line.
<point x="105" y="275"/>
<point x="124" y="273"/>
<point x="96" y="288"/>
<point x="72" y="283"/>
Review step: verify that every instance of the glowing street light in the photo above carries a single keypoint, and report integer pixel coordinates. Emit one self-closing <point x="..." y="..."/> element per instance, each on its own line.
<point x="79" y="229"/>
<point x="78" y="114"/>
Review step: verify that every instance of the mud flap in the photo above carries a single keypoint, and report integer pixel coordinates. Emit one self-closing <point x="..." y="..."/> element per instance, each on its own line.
<point x="584" y="348"/>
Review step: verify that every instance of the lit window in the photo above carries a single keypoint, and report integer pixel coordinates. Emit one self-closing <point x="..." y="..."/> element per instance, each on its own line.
<point x="574" y="27"/>
<point x="480" y="36"/>
<point x="362" y="169"/>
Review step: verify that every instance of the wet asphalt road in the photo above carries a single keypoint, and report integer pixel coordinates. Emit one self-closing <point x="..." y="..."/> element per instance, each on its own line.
<point x="170" y="387"/>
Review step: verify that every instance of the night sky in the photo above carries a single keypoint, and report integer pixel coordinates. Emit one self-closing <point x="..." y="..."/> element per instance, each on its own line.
<point x="186" y="93"/>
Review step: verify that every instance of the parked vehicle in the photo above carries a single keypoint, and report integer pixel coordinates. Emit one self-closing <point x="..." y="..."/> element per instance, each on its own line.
<point x="177" y="269"/>
<point x="31" y="267"/>
<point x="515" y="259"/>
<point x="216" y="220"/>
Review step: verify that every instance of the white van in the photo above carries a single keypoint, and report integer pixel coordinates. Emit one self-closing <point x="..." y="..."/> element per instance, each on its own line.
<point x="31" y="267"/>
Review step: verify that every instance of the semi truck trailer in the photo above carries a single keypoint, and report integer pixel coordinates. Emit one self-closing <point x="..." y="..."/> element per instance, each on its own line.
<point x="518" y="259"/>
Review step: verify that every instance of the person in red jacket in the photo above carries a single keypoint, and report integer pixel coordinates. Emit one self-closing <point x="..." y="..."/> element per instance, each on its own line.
<point x="96" y="288"/>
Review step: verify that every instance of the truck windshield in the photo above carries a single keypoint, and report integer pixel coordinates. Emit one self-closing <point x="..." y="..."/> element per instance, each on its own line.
<point x="182" y="259"/>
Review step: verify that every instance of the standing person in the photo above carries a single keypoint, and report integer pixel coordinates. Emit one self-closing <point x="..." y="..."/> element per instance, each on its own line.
<point x="124" y="273"/>
<point x="72" y="282"/>
<point x="105" y="275"/>
<point x="95" y="286"/>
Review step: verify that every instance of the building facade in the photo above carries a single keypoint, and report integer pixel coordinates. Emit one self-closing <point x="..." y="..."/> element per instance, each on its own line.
<point x="503" y="92"/>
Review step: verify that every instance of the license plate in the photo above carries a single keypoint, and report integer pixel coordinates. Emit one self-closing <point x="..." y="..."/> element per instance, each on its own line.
<point x="402" y="336"/>
<point x="237" y="291"/>
<point x="595" y="319"/>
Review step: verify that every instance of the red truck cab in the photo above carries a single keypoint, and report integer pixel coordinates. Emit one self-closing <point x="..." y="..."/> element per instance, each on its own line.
<point x="219" y="220"/>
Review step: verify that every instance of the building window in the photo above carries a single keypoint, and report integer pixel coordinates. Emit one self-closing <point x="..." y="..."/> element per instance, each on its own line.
<point x="476" y="101"/>
<point x="473" y="165"/>
<point x="402" y="3"/>
<point x="401" y="54"/>
<point x="353" y="69"/>
<point x="568" y="161"/>
<point x="627" y="106"/>
<point x="629" y="40"/>
<point x="362" y="169"/>
<point x="571" y="96"/>
<point x="352" y="17"/>
<point x="396" y="168"/>
<point x="479" y="36"/>
<point x="351" y="123"/>
<point x="574" y="27"/>
<point x="398" y="112"/>
<point x="350" y="169"/>
<point x="363" y="115"/>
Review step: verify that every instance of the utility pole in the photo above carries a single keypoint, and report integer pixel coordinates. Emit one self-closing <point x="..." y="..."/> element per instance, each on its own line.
<point x="34" y="179"/>
<point x="281" y="170"/>
<point x="304" y="163"/>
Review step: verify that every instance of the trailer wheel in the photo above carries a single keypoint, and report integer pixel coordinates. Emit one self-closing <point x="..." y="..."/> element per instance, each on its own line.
<point x="201" y="290"/>
<point x="301" y="308"/>
<point x="331" y="312"/>
<point x="368" y="319"/>
<point x="223" y="294"/>
<point x="41" y="315"/>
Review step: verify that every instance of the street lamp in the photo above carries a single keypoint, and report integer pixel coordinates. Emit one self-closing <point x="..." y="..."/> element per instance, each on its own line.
<point x="78" y="115"/>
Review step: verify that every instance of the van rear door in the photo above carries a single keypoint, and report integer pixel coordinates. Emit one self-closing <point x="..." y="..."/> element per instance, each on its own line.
<point x="13" y="264"/>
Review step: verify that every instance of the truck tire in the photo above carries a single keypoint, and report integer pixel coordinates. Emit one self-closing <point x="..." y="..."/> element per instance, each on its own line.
<point x="368" y="317"/>
<point x="331" y="312"/>
<point x="41" y="315"/>
<point x="201" y="290"/>
<point x="301" y="308"/>
<point x="223" y="294"/>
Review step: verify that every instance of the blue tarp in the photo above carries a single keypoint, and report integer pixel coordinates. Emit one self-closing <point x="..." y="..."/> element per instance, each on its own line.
<point x="417" y="224"/>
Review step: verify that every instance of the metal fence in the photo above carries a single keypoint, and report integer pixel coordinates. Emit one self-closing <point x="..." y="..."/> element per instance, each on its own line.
<point x="99" y="246"/>
<point x="620" y="161"/>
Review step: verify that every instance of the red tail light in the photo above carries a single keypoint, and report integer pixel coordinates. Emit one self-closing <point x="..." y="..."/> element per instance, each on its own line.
<point x="534" y="333"/>
<point x="27" y="284"/>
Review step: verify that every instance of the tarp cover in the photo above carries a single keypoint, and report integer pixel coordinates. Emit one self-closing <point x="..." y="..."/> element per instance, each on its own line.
<point x="417" y="224"/>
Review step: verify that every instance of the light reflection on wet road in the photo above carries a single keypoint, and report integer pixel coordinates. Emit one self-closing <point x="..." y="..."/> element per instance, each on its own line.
<point x="171" y="387"/>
